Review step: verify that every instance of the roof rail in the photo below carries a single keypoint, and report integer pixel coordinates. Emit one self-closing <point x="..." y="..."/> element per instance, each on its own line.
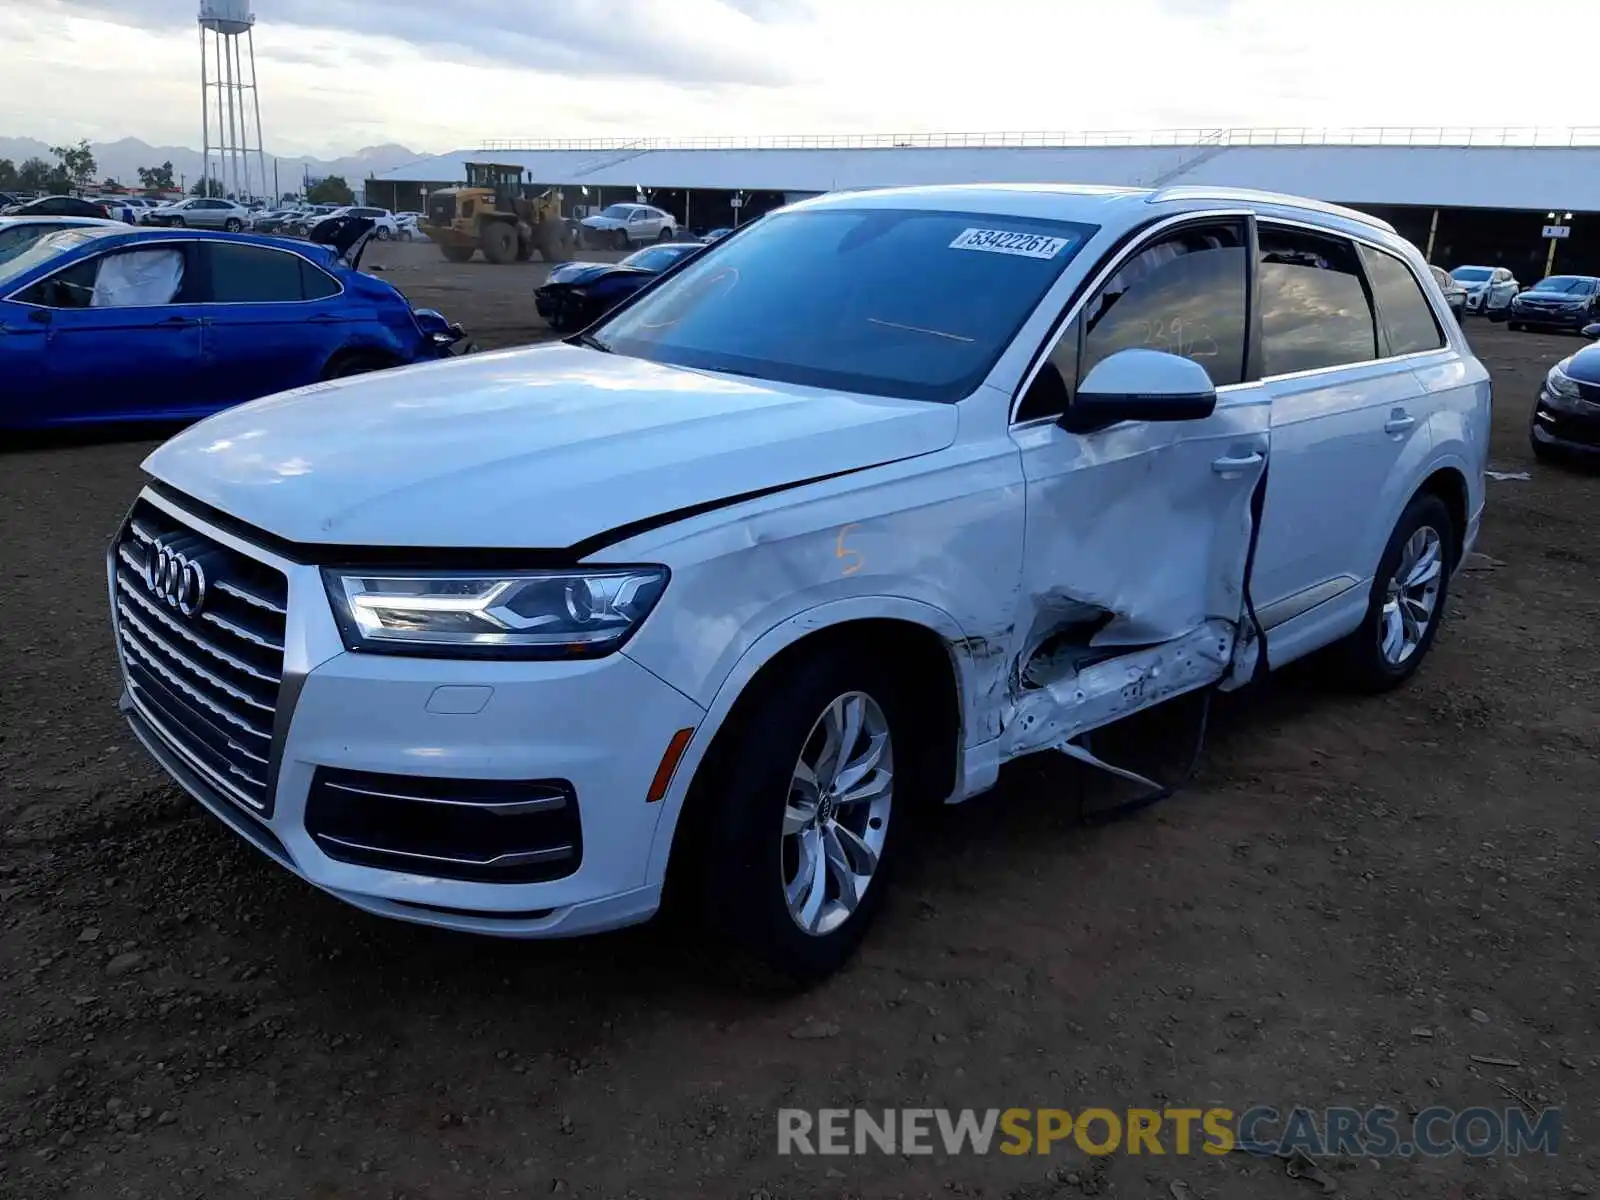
<point x="1257" y="196"/>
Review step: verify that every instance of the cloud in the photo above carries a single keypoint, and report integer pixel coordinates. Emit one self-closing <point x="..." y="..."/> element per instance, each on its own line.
<point x="687" y="41"/>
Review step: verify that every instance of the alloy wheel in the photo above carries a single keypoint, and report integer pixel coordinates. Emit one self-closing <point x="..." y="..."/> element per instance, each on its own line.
<point x="1411" y="601"/>
<point x="837" y="814"/>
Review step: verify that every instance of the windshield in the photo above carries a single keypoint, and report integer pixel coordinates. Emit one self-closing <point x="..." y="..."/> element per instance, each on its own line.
<point x="46" y="248"/>
<point x="892" y="302"/>
<point x="620" y="212"/>
<point x="656" y="258"/>
<point x="1471" y="274"/>
<point x="1579" y="285"/>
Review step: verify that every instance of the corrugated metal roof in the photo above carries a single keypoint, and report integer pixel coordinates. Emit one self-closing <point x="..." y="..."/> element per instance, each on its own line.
<point x="1446" y="176"/>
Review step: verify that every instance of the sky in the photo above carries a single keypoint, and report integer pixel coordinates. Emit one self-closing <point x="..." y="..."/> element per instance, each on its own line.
<point x="436" y="75"/>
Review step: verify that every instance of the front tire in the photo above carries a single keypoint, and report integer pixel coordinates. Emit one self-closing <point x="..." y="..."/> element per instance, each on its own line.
<point x="620" y="241"/>
<point x="1407" y="601"/>
<point x="801" y="811"/>
<point x="499" y="242"/>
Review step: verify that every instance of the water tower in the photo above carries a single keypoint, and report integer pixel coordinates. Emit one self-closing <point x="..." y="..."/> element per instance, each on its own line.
<point x="230" y="106"/>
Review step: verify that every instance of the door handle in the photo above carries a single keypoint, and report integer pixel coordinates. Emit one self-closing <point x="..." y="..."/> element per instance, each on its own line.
<point x="177" y="323"/>
<point x="1399" y="422"/>
<point x="1227" y="465"/>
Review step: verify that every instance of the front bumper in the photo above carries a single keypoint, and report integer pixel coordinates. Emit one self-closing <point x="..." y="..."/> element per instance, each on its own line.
<point x="599" y="726"/>
<point x="1565" y="431"/>
<point x="1551" y="318"/>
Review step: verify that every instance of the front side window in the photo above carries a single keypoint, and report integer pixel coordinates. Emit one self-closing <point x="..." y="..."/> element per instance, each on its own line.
<point x="1186" y="294"/>
<point x="41" y="251"/>
<point x="894" y="302"/>
<point x="1408" y="321"/>
<point x="1315" y="311"/>
<point x="121" y="279"/>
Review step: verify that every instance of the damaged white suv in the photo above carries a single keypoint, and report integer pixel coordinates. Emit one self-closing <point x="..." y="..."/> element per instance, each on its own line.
<point x="876" y="494"/>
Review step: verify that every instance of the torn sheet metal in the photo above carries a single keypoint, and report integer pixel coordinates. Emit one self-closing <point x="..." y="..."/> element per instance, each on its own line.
<point x="1048" y="717"/>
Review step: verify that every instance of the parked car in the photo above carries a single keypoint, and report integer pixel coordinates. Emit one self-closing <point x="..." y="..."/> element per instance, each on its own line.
<point x="199" y="212"/>
<point x="119" y="324"/>
<point x="577" y="293"/>
<point x="58" y="206"/>
<point x="406" y="226"/>
<point x="270" y="220"/>
<point x="624" y="225"/>
<point x="118" y="208"/>
<point x="1566" y="413"/>
<point x="384" y="225"/>
<point x="18" y="233"/>
<point x="301" y="222"/>
<point x="1489" y="289"/>
<point x="827" y="525"/>
<point x="1563" y="302"/>
<point x="7" y="199"/>
<point x="1454" y="294"/>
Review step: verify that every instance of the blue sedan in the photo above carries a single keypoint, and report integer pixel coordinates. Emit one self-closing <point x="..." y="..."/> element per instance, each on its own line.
<point x="117" y="324"/>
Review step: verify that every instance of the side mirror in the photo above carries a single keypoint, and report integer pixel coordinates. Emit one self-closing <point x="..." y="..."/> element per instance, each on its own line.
<point x="1140" y="385"/>
<point x="1592" y="331"/>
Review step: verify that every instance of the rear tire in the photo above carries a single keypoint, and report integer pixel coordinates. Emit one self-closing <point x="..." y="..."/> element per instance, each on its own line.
<point x="232" y="225"/>
<point x="1407" y="602"/>
<point x="499" y="242"/>
<point x="665" y="235"/>
<point x="790" y="873"/>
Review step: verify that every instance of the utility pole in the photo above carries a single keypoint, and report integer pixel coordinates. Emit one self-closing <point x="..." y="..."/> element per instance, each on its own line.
<point x="1555" y="233"/>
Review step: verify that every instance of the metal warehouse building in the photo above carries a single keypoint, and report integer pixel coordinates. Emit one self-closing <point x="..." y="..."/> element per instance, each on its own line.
<point x="1464" y="195"/>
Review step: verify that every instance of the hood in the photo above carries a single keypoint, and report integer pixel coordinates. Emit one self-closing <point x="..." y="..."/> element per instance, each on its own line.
<point x="1584" y="366"/>
<point x="580" y="272"/>
<point x="537" y="448"/>
<point x="1577" y="299"/>
<point x="598" y="222"/>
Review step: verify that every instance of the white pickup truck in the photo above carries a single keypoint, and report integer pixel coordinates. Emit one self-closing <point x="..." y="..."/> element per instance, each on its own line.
<point x="873" y="496"/>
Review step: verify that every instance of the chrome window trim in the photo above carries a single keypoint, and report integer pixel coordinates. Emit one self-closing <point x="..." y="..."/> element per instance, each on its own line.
<point x="1155" y="230"/>
<point x="180" y="240"/>
<point x="1149" y="234"/>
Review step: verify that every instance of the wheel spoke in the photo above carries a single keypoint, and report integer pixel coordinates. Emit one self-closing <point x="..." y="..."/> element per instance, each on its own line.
<point x="870" y="788"/>
<point x="863" y="859"/>
<point x="810" y="886"/>
<point x="844" y="876"/>
<point x="1426" y="568"/>
<point x="796" y="817"/>
<point x="1413" y="632"/>
<point x="1393" y="631"/>
<point x="855" y="770"/>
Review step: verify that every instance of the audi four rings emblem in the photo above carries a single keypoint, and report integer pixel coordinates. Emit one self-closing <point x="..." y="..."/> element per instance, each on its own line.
<point x="176" y="578"/>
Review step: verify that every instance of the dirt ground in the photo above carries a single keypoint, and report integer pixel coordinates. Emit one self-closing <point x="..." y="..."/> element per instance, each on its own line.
<point x="1352" y="899"/>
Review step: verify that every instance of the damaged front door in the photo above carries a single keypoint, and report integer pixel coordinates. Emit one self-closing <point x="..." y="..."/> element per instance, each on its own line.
<point x="1137" y="533"/>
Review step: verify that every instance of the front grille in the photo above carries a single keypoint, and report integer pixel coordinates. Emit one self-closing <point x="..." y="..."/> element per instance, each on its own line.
<point x="481" y="830"/>
<point x="207" y="678"/>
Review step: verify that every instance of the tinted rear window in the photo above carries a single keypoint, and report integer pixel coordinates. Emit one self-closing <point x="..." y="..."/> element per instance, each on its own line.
<point x="1407" y="318"/>
<point x="894" y="302"/>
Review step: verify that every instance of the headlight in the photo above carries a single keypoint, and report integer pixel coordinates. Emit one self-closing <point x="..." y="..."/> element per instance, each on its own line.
<point x="1559" y="388"/>
<point x="504" y="614"/>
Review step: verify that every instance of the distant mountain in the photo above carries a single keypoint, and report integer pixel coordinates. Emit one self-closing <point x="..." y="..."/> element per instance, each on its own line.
<point x="121" y="160"/>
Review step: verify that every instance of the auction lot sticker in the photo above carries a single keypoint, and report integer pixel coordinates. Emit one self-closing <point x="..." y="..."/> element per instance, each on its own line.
<point x="1000" y="241"/>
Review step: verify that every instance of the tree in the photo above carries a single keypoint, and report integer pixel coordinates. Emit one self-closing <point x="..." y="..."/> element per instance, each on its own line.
<point x="33" y="175"/>
<point x="157" y="179"/>
<point x="8" y="175"/>
<point x="199" y="188"/>
<point x="77" y="164"/>
<point x="332" y="190"/>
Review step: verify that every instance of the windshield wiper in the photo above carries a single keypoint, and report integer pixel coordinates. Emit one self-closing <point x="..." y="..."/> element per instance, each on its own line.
<point x="589" y="340"/>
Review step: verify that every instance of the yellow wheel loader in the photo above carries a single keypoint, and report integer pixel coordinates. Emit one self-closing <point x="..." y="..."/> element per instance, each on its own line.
<point x="499" y="215"/>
